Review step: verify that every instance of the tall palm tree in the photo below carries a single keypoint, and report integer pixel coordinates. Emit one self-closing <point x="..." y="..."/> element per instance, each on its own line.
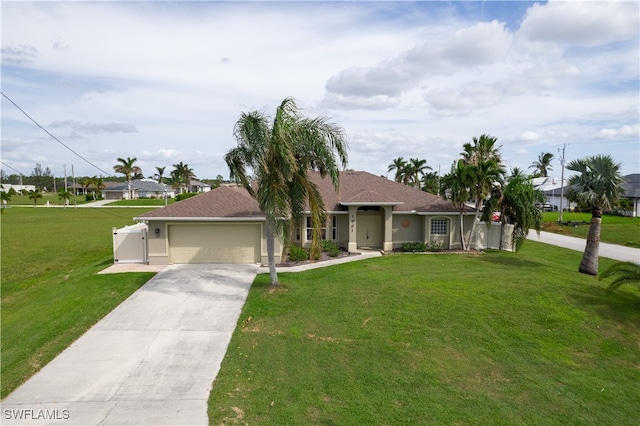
<point x="516" y="202"/>
<point x="542" y="164"/>
<point x="98" y="184"/>
<point x="399" y="165"/>
<point x="624" y="273"/>
<point x="456" y="186"/>
<point x="183" y="174"/>
<point x="598" y="185"/>
<point x="128" y="168"/>
<point x="481" y="149"/>
<point x="431" y="183"/>
<point x="485" y="160"/>
<point x="279" y="154"/>
<point x="160" y="174"/>
<point x="415" y="170"/>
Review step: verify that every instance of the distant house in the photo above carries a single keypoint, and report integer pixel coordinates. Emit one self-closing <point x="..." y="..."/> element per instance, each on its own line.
<point x="632" y="192"/>
<point x="197" y="186"/>
<point x="555" y="192"/>
<point x="142" y="188"/>
<point x="7" y="186"/>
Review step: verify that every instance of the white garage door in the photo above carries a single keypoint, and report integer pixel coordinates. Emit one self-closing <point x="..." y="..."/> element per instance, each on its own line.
<point x="220" y="243"/>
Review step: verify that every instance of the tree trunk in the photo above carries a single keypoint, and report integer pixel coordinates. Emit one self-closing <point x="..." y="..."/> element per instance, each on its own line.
<point x="589" y="263"/>
<point x="271" y="258"/>
<point x="464" y="245"/>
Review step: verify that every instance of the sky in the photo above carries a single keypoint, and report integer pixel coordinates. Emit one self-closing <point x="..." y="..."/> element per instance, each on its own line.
<point x="165" y="82"/>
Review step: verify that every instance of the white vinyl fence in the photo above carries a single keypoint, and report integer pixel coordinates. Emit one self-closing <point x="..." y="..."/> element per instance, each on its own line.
<point x="130" y="244"/>
<point x="489" y="237"/>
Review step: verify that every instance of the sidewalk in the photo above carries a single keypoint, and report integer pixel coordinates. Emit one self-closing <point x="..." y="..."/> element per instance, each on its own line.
<point x="611" y="251"/>
<point x="364" y="254"/>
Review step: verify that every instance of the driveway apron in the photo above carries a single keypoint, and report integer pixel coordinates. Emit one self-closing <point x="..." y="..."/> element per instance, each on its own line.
<point x="151" y="361"/>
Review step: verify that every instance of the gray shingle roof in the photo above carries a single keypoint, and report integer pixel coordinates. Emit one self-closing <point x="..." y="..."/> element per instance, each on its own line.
<point x="632" y="186"/>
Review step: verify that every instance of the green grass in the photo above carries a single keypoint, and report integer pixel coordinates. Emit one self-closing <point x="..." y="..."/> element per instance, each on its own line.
<point x="143" y="202"/>
<point x="499" y="338"/>
<point x="615" y="229"/>
<point x="50" y="293"/>
<point x="52" y="198"/>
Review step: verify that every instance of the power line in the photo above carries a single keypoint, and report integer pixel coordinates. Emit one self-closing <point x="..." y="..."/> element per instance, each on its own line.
<point x="55" y="138"/>
<point x="17" y="171"/>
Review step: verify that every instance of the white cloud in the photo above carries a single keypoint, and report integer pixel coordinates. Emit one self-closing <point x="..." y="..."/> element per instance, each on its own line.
<point x="624" y="131"/>
<point x="589" y="23"/>
<point x="403" y="79"/>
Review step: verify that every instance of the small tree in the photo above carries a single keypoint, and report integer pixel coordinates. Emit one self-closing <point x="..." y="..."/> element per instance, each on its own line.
<point x="65" y="196"/>
<point x="35" y="196"/>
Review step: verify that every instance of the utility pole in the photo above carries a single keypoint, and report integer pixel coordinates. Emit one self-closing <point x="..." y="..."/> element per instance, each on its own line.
<point x="65" y="178"/>
<point x="561" y="181"/>
<point x="75" y="192"/>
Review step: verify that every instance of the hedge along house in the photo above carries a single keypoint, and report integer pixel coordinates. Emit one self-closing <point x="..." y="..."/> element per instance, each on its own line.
<point x="225" y="225"/>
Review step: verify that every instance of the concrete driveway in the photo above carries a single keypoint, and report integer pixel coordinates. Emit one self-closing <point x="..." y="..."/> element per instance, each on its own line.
<point x="149" y="362"/>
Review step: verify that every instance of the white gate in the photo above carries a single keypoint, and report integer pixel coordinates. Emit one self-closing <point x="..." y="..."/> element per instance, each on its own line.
<point x="130" y="244"/>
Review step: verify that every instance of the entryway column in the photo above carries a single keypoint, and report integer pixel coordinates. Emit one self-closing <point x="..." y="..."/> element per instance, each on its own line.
<point x="353" y="239"/>
<point x="387" y="242"/>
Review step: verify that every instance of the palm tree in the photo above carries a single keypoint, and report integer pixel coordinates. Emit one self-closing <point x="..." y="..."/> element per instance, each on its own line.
<point x="485" y="160"/>
<point x="431" y="183"/>
<point x="280" y="154"/>
<point x="183" y="174"/>
<point x="598" y="185"/>
<point x="624" y="273"/>
<point x="399" y="165"/>
<point x="542" y="165"/>
<point x="160" y="173"/>
<point x="6" y="197"/>
<point x="98" y="184"/>
<point x="127" y="168"/>
<point x="65" y="196"/>
<point x="414" y="170"/>
<point x="481" y="149"/>
<point x="35" y="196"/>
<point x="455" y="186"/>
<point x="516" y="202"/>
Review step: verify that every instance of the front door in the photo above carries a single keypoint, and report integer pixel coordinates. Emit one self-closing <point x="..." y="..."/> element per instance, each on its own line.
<point x="369" y="230"/>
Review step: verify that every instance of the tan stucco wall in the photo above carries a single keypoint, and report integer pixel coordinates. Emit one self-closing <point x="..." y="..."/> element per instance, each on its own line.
<point x="407" y="228"/>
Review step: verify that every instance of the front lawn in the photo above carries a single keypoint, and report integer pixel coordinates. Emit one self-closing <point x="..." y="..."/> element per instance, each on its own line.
<point x="620" y="230"/>
<point x="498" y="338"/>
<point x="50" y="291"/>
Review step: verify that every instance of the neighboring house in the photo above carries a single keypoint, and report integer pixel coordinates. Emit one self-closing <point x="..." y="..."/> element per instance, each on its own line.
<point x="225" y="225"/>
<point x="632" y="192"/>
<point x="197" y="186"/>
<point x="142" y="188"/>
<point x="7" y="186"/>
<point x="555" y="194"/>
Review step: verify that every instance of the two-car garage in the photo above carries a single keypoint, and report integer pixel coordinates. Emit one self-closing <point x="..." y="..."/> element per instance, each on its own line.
<point x="215" y="243"/>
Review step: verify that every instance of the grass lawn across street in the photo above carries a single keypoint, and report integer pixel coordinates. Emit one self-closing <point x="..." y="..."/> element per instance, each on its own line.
<point x="624" y="231"/>
<point x="496" y="338"/>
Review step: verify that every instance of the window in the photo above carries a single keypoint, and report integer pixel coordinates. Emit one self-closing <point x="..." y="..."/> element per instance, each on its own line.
<point x="334" y="227"/>
<point x="439" y="226"/>
<point x="333" y="231"/>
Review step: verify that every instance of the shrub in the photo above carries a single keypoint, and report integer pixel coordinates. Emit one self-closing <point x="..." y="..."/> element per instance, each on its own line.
<point x="185" y="195"/>
<point x="434" y="245"/>
<point x="297" y="254"/>
<point x="413" y="247"/>
<point x="330" y="247"/>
